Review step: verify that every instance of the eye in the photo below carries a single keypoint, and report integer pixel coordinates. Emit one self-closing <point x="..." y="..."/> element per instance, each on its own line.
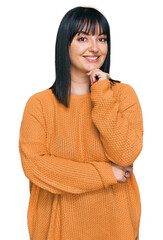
<point x="103" y="39"/>
<point x="81" y="39"/>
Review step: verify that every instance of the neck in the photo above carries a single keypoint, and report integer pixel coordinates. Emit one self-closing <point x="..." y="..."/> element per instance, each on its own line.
<point x="79" y="83"/>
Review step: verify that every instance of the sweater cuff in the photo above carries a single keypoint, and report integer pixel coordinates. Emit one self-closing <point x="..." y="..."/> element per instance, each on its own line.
<point x="98" y="90"/>
<point x="106" y="173"/>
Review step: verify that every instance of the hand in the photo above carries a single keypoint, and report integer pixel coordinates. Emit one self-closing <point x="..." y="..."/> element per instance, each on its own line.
<point x="97" y="75"/>
<point x="119" y="172"/>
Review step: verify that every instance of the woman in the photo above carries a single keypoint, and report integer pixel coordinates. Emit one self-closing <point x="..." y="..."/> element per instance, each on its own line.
<point x="79" y="139"/>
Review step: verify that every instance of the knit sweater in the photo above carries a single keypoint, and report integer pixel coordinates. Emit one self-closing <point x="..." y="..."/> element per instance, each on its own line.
<point x="66" y="153"/>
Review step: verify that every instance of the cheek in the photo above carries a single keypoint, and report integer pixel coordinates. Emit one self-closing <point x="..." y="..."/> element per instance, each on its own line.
<point x="75" y="51"/>
<point x="79" y="49"/>
<point x="104" y="50"/>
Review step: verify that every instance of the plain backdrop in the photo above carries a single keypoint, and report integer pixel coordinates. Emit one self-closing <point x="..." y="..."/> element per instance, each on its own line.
<point x="28" y="32"/>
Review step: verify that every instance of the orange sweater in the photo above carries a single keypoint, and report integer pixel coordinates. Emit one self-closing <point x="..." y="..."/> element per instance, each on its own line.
<point x="67" y="153"/>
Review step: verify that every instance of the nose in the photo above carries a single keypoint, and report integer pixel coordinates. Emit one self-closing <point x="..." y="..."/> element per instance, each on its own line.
<point x="93" y="46"/>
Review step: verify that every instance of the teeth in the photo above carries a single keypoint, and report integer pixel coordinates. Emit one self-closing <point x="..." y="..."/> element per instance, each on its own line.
<point x="92" y="58"/>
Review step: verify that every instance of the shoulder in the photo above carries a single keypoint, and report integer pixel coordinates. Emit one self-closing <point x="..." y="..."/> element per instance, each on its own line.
<point x="41" y="96"/>
<point x="39" y="100"/>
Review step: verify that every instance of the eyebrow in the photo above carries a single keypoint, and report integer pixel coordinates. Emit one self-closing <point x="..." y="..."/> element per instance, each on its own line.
<point x="89" y="34"/>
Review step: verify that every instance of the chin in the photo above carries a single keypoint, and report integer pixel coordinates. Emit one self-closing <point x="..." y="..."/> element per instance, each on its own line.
<point x="90" y="68"/>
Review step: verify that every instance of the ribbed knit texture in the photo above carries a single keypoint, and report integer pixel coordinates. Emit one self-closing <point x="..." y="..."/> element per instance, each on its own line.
<point x="67" y="153"/>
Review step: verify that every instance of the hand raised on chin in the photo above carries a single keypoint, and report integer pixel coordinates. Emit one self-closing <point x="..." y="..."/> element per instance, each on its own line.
<point x="97" y="75"/>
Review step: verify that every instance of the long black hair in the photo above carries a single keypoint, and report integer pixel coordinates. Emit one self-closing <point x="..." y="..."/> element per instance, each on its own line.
<point x="72" y="23"/>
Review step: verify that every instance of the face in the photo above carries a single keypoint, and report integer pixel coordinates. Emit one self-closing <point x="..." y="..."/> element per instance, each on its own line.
<point x="88" y="52"/>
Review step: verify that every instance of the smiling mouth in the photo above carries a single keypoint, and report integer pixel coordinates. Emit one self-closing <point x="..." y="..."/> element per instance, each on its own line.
<point x="92" y="59"/>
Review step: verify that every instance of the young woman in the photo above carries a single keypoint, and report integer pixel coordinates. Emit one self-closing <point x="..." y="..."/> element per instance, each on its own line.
<point x="79" y="139"/>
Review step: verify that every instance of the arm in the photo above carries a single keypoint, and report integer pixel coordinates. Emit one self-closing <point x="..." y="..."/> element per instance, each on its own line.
<point x="52" y="173"/>
<point x="119" y="121"/>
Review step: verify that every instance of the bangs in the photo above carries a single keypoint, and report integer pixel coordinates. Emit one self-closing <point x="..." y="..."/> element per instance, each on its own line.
<point x="90" y="26"/>
<point x="89" y="22"/>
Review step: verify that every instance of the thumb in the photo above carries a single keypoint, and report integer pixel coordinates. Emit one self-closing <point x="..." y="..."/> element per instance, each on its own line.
<point x="89" y="73"/>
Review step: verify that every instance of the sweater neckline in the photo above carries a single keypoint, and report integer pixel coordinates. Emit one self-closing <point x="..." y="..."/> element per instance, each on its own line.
<point x="74" y="98"/>
<point x="80" y="95"/>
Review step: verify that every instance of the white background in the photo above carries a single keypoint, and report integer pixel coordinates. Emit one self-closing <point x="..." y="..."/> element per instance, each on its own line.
<point x="28" y="31"/>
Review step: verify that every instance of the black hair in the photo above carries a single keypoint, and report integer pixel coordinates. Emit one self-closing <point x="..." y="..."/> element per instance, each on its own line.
<point x="72" y="23"/>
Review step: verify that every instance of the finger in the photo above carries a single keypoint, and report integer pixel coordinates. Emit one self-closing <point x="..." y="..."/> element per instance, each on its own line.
<point x="128" y="169"/>
<point x="88" y="73"/>
<point x="91" y="78"/>
<point x="95" y="77"/>
<point x="126" y="174"/>
<point x="94" y="73"/>
<point x="125" y="179"/>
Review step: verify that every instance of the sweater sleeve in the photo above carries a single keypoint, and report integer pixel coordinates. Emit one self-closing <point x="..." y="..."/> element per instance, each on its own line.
<point x="119" y="121"/>
<point x="55" y="174"/>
